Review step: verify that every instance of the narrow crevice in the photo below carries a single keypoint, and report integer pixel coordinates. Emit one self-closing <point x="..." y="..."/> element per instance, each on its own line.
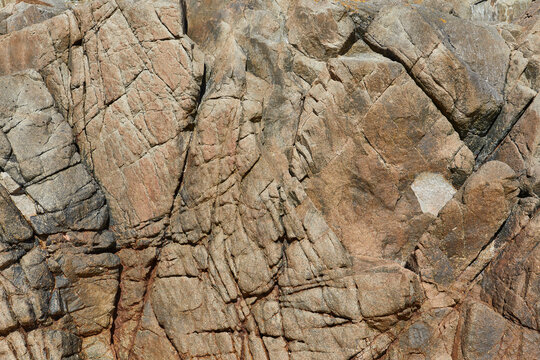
<point x="202" y="89"/>
<point x="389" y="55"/>
<point x="181" y="178"/>
<point x="381" y="158"/>
<point x="152" y="274"/>
<point x="514" y="319"/>
<point x="412" y="263"/>
<point x="348" y="44"/>
<point x="375" y="355"/>
<point x="499" y="232"/>
<point x="183" y="7"/>
<point x="487" y="151"/>
<point x="149" y="281"/>
<point x="298" y="121"/>
<point x="524" y="193"/>
<point x="191" y="128"/>
<point x="115" y="310"/>
<point x="362" y="18"/>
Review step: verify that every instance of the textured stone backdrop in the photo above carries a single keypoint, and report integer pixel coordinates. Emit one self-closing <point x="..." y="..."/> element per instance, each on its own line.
<point x="270" y="179"/>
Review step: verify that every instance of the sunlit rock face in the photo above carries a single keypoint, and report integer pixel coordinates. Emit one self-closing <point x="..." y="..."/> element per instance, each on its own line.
<point x="308" y="179"/>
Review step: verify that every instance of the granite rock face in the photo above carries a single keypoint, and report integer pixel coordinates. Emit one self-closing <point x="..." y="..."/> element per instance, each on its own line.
<point x="308" y="179"/>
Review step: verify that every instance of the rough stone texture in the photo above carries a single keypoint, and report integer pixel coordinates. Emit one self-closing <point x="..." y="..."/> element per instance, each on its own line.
<point x="43" y="165"/>
<point x="446" y="57"/>
<point x="497" y="10"/>
<point x="307" y="179"/>
<point x="134" y="87"/>
<point x="19" y="14"/>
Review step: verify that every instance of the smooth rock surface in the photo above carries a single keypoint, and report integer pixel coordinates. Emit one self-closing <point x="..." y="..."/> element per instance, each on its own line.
<point x="432" y="192"/>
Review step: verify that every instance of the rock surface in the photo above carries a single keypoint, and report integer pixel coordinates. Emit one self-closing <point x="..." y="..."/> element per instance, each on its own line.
<point x="308" y="179"/>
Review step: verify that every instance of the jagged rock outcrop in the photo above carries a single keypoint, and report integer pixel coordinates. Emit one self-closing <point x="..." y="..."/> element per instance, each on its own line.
<point x="308" y="179"/>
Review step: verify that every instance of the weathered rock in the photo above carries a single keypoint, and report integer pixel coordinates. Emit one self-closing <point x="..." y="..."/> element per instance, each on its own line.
<point x="467" y="224"/>
<point x="44" y="161"/>
<point x="511" y="283"/>
<point x="445" y="55"/>
<point x="498" y="10"/>
<point x="521" y="148"/>
<point x="20" y="14"/>
<point x="14" y="227"/>
<point x="356" y="145"/>
<point x="133" y="108"/>
<point x="309" y="179"/>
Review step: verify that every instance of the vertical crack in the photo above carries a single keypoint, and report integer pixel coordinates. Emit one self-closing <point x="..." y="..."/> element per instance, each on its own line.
<point x="115" y="311"/>
<point x="183" y="7"/>
<point x="149" y="280"/>
<point x="202" y="89"/>
<point x="191" y="128"/>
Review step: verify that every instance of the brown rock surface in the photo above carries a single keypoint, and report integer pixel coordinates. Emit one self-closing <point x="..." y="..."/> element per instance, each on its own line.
<point x="309" y="179"/>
